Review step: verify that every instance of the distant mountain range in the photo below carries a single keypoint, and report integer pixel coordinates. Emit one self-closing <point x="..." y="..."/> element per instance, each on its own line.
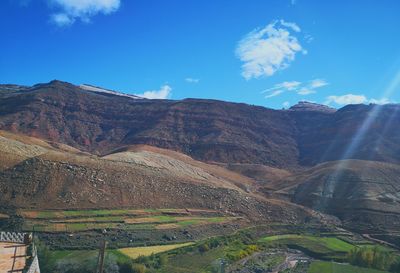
<point x="342" y="162"/>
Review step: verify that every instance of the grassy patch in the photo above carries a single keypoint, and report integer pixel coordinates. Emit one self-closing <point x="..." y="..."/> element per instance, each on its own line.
<point x="79" y="257"/>
<point x="123" y="219"/>
<point x="319" y="247"/>
<point x="193" y="261"/>
<point x="330" y="267"/>
<point x="135" y="252"/>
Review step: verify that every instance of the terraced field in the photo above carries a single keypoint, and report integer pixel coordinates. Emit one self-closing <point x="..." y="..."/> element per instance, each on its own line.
<point x="135" y="252"/>
<point x="321" y="247"/>
<point x="129" y="219"/>
<point x="61" y="258"/>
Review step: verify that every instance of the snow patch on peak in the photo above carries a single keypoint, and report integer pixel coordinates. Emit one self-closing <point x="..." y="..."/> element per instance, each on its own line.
<point x="96" y="89"/>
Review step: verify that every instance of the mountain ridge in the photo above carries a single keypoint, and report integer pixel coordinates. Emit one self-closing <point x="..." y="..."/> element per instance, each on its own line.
<point x="209" y="130"/>
<point x="235" y="157"/>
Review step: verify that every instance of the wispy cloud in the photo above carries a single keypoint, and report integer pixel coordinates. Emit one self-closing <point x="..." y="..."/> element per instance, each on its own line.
<point x="270" y="49"/>
<point x="293" y="26"/>
<point x="295" y="86"/>
<point x="163" y="93"/>
<point x="354" y="99"/>
<point x="72" y="10"/>
<point x="61" y="19"/>
<point x="274" y="93"/>
<point x="380" y="101"/>
<point x="286" y="104"/>
<point x="192" y="80"/>
<point x="317" y="83"/>
<point x="346" y="99"/>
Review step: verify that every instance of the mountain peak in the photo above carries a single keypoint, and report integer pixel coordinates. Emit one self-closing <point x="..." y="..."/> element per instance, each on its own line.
<point x="53" y="84"/>
<point x="306" y="106"/>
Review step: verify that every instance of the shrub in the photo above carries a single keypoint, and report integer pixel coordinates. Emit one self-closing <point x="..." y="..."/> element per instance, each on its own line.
<point x="371" y="258"/>
<point x="126" y="267"/>
<point x="204" y="248"/>
<point x="139" y="268"/>
<point x="395" y="266"/>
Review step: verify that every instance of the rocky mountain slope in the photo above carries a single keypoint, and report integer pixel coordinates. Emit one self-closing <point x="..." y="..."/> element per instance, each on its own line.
<point x="67" y="146"/>
<point x="208" y="130"/>
<point x="42" y="176"/>
<point x="364" y="194"/>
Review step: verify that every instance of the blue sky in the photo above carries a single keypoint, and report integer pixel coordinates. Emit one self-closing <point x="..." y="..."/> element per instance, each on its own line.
<point x="272" y="53"/>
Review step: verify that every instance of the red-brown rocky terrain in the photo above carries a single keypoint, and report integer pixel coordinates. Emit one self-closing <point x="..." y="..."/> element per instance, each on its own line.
<point x="63" y="146"/>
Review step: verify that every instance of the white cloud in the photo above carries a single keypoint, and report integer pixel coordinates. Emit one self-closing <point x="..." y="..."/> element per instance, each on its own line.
<point x="267" y="50"/>
<point x="346" y="99"/>
<point x="286" y="104"/>
<point x="163" y="93"/>
<point x="274" y="93"/>
<point x="289" y="85"/>
<point x="306" y="91"/>
<point x="380" y="101"/>
<point x="71" y="10"/>
<point x="284" y="85"/>
<point x="62" y="19"/>
<point x="317" y="83"/>
<point x="293" y="26"/>
<point x="295" y="86"/>
<point x="192" y="80"/>
<point x="355" y="99"/>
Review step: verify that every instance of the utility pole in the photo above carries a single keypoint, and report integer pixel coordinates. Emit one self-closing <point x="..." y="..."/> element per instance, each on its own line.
<point x="100" y="260"/>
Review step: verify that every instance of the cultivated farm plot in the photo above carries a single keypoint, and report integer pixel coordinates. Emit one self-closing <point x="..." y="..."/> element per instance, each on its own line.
<point x="135" y="252"/>
<point x="86" y="256"/>
<point x="83" y="220"/>
<point x="321" y="247"/>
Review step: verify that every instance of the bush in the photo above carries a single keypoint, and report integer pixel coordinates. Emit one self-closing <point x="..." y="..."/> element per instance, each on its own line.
<point x="139" y="268"/>
<point x="242" y="253"/>
<point x="371" y="258"/>
<point x="395" y="266"/>
<point x="204" y="248"/>
<point x="126" y="267"/>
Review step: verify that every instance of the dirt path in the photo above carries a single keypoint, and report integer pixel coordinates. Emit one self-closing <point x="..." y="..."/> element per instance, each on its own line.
<point x="291" y="261"/>
<point x="368" y="236"/>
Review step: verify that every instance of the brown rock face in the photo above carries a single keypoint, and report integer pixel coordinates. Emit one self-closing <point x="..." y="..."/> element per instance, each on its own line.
<point x="277" y="152"/>
<point x="208" y="130"/>
<point x="364" y="194"/>
<point x="98" y="123"/>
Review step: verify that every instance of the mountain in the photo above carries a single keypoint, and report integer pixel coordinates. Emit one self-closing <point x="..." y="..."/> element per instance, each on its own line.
<point x="99" y="123"/>
<point x="64" y="145"/>
<point x="305" y="106"/>
<point x="207" y="130"/>
<point x="41" y="174"/>
<point x="364" y="194"/>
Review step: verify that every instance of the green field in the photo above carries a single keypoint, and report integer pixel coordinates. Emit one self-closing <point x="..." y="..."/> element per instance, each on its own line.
<point x="319" y="247"/>
<point x="135" y="252"/>
<point x="205" y="255"/>
<point x="53" y="214"/>
<point x="330" y="267"/>
<point x="68" y="221"/>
